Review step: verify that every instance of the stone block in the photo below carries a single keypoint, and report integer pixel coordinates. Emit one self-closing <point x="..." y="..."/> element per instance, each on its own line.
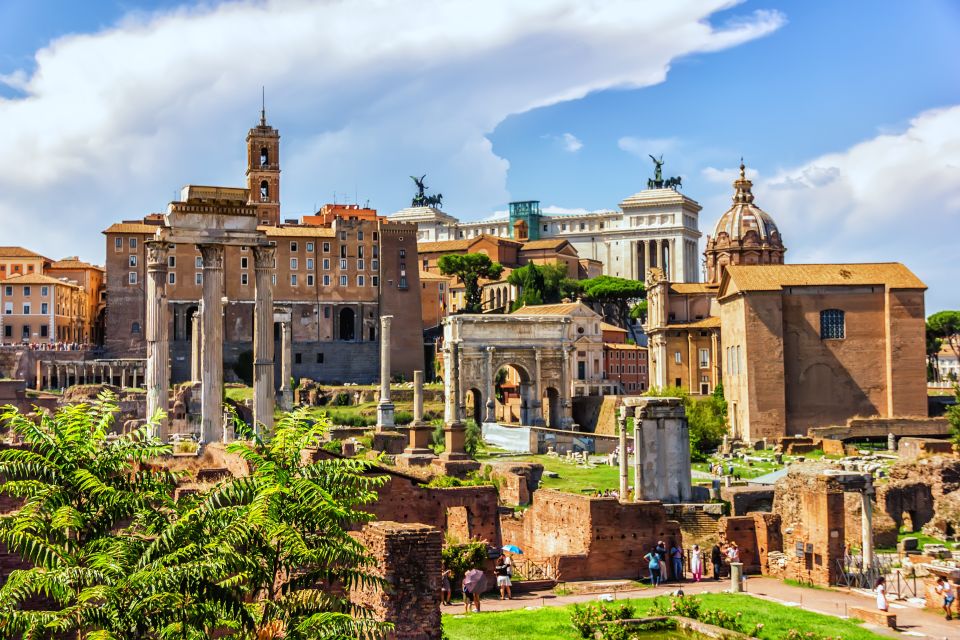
<point x="392" y="442"/>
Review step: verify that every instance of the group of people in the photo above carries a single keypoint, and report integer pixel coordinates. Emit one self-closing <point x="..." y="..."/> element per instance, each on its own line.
<point x="718" y="470"/>
<point x="471" y="590"/>
<point x="943" y="589"/>
<point x="664" y="564"/>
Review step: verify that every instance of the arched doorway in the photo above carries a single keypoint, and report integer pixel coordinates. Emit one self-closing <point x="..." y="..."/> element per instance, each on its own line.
<point x="347" y="321"/>
<point x="474" y="405"/>
<point x="551" y="407"/>
<point x="512" y="390"/>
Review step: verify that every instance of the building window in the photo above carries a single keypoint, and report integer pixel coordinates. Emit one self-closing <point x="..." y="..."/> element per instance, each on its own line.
<point x="8" y="291"/>
<point x="118" y="244"/>
<point x="319" y="357"/>
<point x="132" y="277"/>
<point x="343" y="251"/>
<point x="326" y="312"/>
<point x="309" y="264"/>
<point x="360" y="235"/>
<point x="273" y="279"/>
<point x="172" y="262"/>
<point x="426" y="264"/>
<point x="198" y="278"/>
<point x="326" y="247"/>
<point x="360" y="264"/>
<point x="264" y="191"/>
<point x="403" y="282"/>
<point x="310" y="280"/>
<point x="360" y="251"/>
<point x="132" y="261"/>
<point x="832" y="324"/>
<point x="133" y="243"/>
<point x="243" y="263"/>
<point x="293" y="264"/>
<point x="25" y="332"/>
<point x="326" y="280"/>
<point x="376" y="236"/>
<point x="343" y="236"/>
<point x="343" y="281"/>
<point x="298" y="358"/>
<point x="8" y="331"/>
<point x="293" y="279"/>
<point x="44" y="331"/>
<point x="360" y="281"/>
<point x="44" y="308"/>
<point x="135" y="327"/>
<point x="375" y="265"/>
<point x="563" y="227"/>
<point x="375" y="281"/>
<point x="343" y="265"/>
<point x="198" y="263"/>
<point x="326" y="264"/>
<point x="676" y="357"/>
<point x="243" y="279"/>
<point x="309" y="247"/>
<point x="26" y="308"/>
<point x="172" y="278"/>
<point x="403" y="253"/>
<point x="704" y="358"/>
<point x="27" y="292"/>
<point x="293" y="247"/>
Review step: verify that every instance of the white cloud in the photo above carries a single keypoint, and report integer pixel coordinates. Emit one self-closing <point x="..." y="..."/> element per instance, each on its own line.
<point x="571" y="143"/>
<point x="895" y="197"/>
<point x="726" y="176"/>
<point x="365" y="94"/>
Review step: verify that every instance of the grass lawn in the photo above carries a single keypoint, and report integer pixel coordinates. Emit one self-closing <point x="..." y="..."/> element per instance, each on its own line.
<point x="573" y="478"/>
<point x="554" y="622"/>
<point x="921" y="537"/>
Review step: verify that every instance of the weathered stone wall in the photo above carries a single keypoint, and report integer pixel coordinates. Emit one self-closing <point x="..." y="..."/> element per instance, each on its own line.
<point x="884" y="528"/>
<point x="860" y="428"/>
<point x="518" y="481"/>
<point x="743" y="500"/>
<point x="918" y="489"/>
<point x="407" y="558"/>
<point x="912" y="448"/>
<point x="592" y="538"/>
<point x="743" y="531"/>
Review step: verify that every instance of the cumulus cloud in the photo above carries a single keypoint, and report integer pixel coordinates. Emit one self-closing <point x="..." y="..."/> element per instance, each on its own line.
<point x="566" y="141"/>
<point x="109" y="124"/>
<point x="726" y="176"/>
<point x="895" y="197"/>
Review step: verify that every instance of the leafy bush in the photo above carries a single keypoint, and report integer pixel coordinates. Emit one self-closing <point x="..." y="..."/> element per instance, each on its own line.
<point x="691" y="607"/>
<point x="402" y="417"/>
<point x="586" y="619"/>
<point x="333" y="446"/>
<point x="345" y="419"/>
<point x="474" y="438"/>
<point x="462" y="557"/>
<point x="706" y="417"/>
<point x="342" y="399"/>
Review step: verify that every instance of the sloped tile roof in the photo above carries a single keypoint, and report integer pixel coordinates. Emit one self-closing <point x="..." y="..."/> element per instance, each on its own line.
<point x="19" y="252"/>
<point x="774" y="277"/>
<point x="37" y="278"/>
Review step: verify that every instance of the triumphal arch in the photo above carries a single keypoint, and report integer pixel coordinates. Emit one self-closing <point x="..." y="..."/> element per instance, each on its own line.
<point x="537" y="348"/>
<point x="211" y="218"/>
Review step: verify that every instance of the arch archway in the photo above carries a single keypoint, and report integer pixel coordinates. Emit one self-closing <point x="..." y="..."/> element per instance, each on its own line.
<point x="347" y="319"/>
<point x="551" y="407"/>
<point x="474" y="405"/>
<point x="512" y="384"/>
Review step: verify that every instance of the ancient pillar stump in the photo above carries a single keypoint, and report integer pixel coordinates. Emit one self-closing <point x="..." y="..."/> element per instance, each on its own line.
<point x="286" y="364"/>
<point x="418" y="451"/>
<point x="385" y="408"/>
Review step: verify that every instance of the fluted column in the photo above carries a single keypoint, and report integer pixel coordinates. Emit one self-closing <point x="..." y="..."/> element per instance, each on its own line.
<point x="263" y="393"/>
<point x="211" y="377"/>
<point x="566" y="402"/>
<point x="385" y="407"/>
<point x="196" y="347"/>
<point x="286" y="364"/>
<point x="158" y="344"/>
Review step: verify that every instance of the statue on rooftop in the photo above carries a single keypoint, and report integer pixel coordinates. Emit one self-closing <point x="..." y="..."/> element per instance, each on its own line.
<point x="658" y="171"/>
<point x="419" y="200"/>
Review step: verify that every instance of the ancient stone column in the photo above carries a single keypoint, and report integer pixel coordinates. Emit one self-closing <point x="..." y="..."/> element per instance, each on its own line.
<point x="491" y="390"/>
<point x="195" y="346"/>
<point x="566" y="403"/>
<point x="866" y="524"/>
<point x="736" y="577"/>
<point x="638" y="449"/>
<point x="537" y="404"/>
<point x="286" y="364"/>
<point x="454" y="431"/>
<point x="385" y="407"/>
<point x="418" y="450"/>
<point x="157" y="329"/>
<point x="263" y="393"/>
<point x="622" y="461"/>
<point x="211" y="378"/>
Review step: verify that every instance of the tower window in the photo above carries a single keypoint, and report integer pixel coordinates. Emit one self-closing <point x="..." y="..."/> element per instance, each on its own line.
<point x="832" y="325"/>
<point x="264" y="157"/>
<point x="264" y="191"/>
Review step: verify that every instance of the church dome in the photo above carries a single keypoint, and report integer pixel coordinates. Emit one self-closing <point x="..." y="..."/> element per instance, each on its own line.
<point x="745" y="234"/>
<point x="744" y="217"/>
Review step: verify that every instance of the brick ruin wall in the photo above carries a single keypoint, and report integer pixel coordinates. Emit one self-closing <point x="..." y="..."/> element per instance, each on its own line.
<point x="756" y="535"/>
<point x="407" y="558"/>
<point x="590" y="538"/>
<point x="923" y="494"/>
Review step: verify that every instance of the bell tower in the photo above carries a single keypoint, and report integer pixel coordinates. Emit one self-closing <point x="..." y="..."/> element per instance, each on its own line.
<point x="263" y="170"/>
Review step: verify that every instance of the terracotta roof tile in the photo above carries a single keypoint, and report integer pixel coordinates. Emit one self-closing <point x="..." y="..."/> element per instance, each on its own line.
<point x="18" y="252"/>
<point x="546" y="243"/>
<point x="36" y="278"/>
<point x="560" y="309"/>
<point x="710" y="322"/>
<point x="692" y="288"/>
<point x="606" y="326"/>
<point x="297" y="232"/>
<point x="773" y="277"/>
<point x="132" y="227"/>
<point x="70" y="263"/>
<point x="623" y="347"/>
<point x="443" y="245"/>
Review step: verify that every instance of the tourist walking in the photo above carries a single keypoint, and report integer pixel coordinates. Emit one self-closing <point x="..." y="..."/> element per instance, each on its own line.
<point x="445" y="588"/>
<point x="881" y="591"/>
<point x="945" y="589"/>
<point x="716" y="556"/>
<point x="503" y="570"/>
<point x="653" y="565"/>
<point x="696" y="563"/>
<point x="676" y="555"/>
<point x="662" y="553"/>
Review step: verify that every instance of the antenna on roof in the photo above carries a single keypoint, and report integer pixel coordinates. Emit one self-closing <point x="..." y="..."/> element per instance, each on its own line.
<point x="263" y="106"/>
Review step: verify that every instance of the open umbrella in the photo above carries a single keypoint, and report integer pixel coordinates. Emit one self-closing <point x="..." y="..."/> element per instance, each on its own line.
<point x="512" y="548"/>
<point x="474" y="581"/>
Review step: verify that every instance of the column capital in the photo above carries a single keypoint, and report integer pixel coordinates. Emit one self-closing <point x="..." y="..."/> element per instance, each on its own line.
<point x="157" y="254"/>
<point x="386" y="320"/>
<point x="212" y="255"/>
<point x="264" y="256"/>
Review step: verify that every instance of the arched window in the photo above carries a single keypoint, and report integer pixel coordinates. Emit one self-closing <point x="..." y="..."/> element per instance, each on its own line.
<point x="264" y="191"/>
<point x="264" y="157"/>
<point x="832" y="324"/>
<point x="135" y="327"/>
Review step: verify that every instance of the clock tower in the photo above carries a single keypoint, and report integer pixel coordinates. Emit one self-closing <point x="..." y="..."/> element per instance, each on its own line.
<point x="263" y="170"/>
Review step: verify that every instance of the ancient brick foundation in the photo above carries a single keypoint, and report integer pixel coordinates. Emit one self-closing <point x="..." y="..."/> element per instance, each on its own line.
<point x="590" y="538"/>
<point x="918" y="494"/>
<point x="407" y="558"/>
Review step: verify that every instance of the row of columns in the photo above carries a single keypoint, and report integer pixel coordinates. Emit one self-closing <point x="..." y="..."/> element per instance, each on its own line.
<point x="207" y="350"/>
<point x="87" y="372"/>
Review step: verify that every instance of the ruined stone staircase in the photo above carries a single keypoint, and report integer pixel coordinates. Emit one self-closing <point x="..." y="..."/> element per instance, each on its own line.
<point x="697" y="526"/>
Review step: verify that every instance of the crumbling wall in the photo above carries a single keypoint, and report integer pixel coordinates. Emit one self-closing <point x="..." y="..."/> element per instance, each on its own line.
<point x="916" y="491"/>
<point x="885" y="530"/>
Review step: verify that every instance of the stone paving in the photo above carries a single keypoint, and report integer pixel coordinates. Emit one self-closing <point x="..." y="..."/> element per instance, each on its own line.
<point x="913" y="620"/>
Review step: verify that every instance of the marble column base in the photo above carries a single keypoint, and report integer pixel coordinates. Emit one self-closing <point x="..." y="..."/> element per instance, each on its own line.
<point x="385" y="416"/>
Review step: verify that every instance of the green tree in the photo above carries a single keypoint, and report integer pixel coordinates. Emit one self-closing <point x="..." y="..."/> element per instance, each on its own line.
<point x="953" y="415"/>
<point x="469" y="268"/>
<point x="614" y="298"/>
<point x="943" y="327"/>
<point x="542" y="284"/>
<point x="706" y="418"/>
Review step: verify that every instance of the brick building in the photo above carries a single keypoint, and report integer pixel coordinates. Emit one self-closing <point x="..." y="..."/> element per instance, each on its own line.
<point x="624" y="363"/>
<point x="813" y="345"/>
<point x="337" y="271"/>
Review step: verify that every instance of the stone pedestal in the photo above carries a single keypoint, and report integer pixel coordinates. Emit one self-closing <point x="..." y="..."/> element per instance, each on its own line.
<point x="418" y="451"/>
<point x="661" y="450"/>
<point x="736" y="577"/>
<point x="455" y="461"/>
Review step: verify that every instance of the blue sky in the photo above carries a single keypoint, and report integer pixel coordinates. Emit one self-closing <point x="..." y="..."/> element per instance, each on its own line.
<point x="847" y="112"/>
